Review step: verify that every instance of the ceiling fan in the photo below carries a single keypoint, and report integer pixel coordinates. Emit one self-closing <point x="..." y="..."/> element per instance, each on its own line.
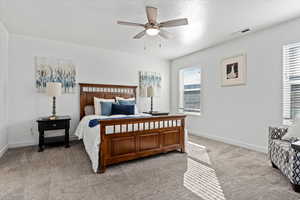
<point x="152" y="27"/>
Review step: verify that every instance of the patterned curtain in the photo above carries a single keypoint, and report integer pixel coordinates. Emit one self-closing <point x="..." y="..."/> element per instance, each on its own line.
<point x="149" y="79"/>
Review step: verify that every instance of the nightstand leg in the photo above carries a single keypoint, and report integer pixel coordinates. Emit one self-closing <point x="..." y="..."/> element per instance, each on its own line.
<point x="67" y="145"/>
<point x="41" y="141"/>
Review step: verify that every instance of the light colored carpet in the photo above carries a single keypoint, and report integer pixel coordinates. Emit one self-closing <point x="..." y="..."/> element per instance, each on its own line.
<point x="212" y="171"/>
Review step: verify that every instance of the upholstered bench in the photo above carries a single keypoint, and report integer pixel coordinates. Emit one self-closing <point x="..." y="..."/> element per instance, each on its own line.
<point x="285" y="156"/>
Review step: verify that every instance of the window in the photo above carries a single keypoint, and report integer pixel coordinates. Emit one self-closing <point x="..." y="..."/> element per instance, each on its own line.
<point x="291" y="82"/>
<point x="189" y="89"/>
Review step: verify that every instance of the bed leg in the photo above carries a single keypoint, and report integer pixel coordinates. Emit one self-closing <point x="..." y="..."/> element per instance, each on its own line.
<point x="182" y="150"/>
<point x="102" y="169"/>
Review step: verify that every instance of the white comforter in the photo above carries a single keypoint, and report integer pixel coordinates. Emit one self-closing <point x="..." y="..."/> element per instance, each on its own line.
<point x="91" y="136"/>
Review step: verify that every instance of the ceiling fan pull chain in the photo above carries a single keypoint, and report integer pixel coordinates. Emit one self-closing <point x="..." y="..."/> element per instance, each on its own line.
<point x="160" y="43"/>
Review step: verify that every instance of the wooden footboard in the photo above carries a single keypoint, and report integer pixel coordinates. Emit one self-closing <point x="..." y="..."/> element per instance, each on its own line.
<point x="128" y="139"/>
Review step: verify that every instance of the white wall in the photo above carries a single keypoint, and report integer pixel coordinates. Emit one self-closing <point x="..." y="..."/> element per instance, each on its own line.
<point x="4" y="37"/>
<point x="240" y="114"/>
<point x="94" y="65"/>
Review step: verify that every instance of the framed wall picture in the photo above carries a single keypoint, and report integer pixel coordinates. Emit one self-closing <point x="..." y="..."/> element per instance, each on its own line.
<point x="233" y="70"/>
<point x="149" y="79"/>
<point x="55" y="70"/>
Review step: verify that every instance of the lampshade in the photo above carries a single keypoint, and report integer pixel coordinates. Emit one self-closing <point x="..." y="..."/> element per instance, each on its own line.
<point x="150" y="92"/>
<point x="53" y="89"/>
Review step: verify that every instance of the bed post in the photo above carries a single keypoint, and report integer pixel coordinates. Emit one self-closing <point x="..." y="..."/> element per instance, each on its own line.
<point x="182" y="138"/>
<point x="82" y="100"/>
<point x="102" y="150"/>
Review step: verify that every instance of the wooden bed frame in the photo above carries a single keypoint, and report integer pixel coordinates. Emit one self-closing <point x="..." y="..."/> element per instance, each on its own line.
<point x="133" y="138"/>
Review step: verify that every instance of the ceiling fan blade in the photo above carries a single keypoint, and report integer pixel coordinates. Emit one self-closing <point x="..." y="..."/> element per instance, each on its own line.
<point x="151" y="14"/>
<point x="130" y="23"/>
<point x="139" y="35"/>
<point x="165" y="34"/>
<point x="175" y="22"/>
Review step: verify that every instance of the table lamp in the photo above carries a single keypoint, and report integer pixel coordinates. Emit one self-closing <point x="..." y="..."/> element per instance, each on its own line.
<point x="53" y="90"/>
<point x="151" y="94"/>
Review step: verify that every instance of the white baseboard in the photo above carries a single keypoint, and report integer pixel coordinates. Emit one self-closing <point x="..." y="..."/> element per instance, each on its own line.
<point x="21" y="144"/>
<point x="232" y="142"/>
<point x="3" y="150"/>
<point x="33" y="143"/>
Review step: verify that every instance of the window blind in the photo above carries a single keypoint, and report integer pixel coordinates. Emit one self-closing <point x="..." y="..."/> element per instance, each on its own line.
<point x="291" y="82"/>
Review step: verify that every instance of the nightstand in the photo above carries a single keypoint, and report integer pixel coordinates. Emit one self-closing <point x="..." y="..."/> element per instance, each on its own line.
<point x="156" y="113"/>
<point x="45" y="124"/>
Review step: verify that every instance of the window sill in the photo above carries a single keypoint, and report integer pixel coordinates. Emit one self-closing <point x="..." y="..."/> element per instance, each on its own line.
<point x="287" y="122"/>
<point x="192" y="114"/>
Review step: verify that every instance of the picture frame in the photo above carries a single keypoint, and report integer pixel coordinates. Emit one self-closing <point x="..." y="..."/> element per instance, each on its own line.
<point x="49" y="69"/>
<point x="233" y="70"/>
<point x="149" y="79"/>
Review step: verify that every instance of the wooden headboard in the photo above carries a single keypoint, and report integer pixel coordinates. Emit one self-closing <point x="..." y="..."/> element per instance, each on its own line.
<point x="89" y="91"/>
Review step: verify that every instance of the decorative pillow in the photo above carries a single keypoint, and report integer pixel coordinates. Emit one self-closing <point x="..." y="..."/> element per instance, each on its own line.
<point x="118" y="109"/>
<point x="106" y="108"/>
<point x="126" y="102"/>
<point x="293" y="132"/>
<point x="97" y="105"/>
<point x="121" y="98"/>
<point x="89" y="110"/>
<point x="129" y="101"/>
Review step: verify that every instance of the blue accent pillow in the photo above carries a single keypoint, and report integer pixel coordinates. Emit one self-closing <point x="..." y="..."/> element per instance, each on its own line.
<point x="126" y="102"/>
<point x="106" y="108"/>
<point x="118" y="109"/>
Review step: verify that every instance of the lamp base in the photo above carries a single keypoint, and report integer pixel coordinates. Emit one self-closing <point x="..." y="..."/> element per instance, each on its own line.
<point x="151" y="106"/>
<point x="52" y="117"/>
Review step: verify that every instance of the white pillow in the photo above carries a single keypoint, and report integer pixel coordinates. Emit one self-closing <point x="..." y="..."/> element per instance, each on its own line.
<point x="293" y="131"/>
<point x="97" y="105"/>
<point x="136" y="110"/>
<point x="121" y="98"/>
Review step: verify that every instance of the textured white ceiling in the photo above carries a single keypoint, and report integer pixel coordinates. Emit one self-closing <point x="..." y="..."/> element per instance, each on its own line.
<point x="93" y="22"/>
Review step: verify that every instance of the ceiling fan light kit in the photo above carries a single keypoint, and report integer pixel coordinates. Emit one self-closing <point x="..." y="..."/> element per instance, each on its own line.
<point x="152" y="27"/>
<point x="152" y="31"/>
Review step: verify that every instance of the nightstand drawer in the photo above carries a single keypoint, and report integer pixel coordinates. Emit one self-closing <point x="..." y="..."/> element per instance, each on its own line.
<point x="53" y="125"/>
